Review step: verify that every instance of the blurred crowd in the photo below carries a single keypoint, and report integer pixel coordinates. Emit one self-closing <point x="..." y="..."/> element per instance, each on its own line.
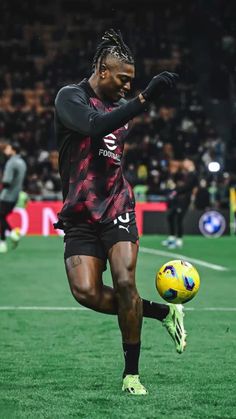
<point x="44" y="46"/>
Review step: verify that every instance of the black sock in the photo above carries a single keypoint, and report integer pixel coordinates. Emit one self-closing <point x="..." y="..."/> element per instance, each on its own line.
<point x="131" y="354"/>
<point x="155" y="310"/>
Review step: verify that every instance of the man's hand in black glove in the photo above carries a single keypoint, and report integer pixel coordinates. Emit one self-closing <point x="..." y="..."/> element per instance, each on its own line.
<point x="160" y="84"/>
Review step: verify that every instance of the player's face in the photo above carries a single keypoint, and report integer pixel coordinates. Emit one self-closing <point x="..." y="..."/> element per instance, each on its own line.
<point x="8" y="150"/>
<point x="116" y="79"/>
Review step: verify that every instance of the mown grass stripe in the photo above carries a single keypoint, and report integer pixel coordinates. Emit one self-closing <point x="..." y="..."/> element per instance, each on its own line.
<point x="184" y="257"/>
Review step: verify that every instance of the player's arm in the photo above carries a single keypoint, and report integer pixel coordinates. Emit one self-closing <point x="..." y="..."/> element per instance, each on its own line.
<point x="77" y="115"/>
<point x="8" y="175"/>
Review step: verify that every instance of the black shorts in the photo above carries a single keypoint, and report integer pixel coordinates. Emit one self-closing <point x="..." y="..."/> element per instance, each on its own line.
<point x="96" y="239"/>
<point x="6" y="207"/>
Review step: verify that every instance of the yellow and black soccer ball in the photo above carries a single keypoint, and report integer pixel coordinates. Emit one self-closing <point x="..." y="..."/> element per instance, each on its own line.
<point x="177" y="281"/>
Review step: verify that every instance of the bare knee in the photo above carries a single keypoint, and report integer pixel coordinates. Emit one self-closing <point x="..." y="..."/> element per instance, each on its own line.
<point x="84" y="274"/>
<point x="124" y="286"/>
<point x="124" y="278"/>
<point x="85" y="295"/>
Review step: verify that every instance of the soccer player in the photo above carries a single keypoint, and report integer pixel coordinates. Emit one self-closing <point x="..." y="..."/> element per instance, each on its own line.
<point x="179" y="201"/>
<point x="12" y="182"/>
<point x="98" y="218"/>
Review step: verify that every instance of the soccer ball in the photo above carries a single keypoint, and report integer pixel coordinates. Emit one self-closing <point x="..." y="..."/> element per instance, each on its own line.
<point x="177" y="281"/>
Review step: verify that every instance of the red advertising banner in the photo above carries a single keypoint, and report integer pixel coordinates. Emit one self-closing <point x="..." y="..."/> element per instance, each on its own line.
<point x="142" y="207"/>
<point x="38" y="217"/>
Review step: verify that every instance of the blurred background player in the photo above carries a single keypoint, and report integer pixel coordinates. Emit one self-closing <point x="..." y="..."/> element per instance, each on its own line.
<point x="12" y="183"/>
<point x="185" y="179"/>
<point x="98" y="218"/>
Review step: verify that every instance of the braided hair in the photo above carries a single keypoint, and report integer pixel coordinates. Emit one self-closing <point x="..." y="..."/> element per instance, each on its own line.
<point x="112" y="44"/>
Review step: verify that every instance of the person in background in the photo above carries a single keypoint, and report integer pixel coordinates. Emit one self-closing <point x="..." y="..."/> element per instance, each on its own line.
<point x="202" y="196"/>
<point x="11" y="184"/>
<point x="179" y="200"/>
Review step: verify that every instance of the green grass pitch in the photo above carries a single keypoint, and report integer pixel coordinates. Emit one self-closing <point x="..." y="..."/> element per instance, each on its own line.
<point x="68" y="364"/>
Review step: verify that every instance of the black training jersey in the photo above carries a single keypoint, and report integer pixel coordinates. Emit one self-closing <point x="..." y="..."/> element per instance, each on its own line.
<point x="90" y="136"/>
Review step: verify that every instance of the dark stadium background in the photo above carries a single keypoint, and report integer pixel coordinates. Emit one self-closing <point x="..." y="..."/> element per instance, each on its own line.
<point x="57" y="360"/>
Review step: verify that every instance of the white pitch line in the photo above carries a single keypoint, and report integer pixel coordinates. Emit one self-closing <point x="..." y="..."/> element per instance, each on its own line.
<point x="38" y="308"/>
<point x="178" y="256"/>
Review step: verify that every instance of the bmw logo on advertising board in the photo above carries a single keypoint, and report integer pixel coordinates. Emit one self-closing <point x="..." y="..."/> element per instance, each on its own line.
<point x="212" y="224"/>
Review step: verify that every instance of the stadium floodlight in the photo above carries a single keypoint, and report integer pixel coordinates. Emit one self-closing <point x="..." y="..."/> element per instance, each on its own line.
<point x="214" y="166"/>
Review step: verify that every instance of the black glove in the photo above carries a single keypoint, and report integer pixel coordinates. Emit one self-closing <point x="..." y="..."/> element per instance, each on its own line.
<point x="160" y="84"/>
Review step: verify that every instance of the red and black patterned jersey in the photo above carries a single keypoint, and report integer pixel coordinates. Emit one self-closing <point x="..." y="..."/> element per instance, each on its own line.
<point x="90" y="135"/>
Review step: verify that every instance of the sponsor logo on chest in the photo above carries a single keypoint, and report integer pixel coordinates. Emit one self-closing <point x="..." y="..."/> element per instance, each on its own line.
<point x="111" y="143"/>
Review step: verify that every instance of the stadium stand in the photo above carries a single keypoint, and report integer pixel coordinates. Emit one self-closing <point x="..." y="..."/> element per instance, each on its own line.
<point x="44" y="46"/>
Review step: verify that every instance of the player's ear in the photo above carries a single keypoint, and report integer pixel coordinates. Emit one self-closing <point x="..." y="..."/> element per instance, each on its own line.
<point x="103" y="70"/>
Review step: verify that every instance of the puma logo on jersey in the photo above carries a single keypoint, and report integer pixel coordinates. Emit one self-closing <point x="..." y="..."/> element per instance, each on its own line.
<point x="125" y="228"/>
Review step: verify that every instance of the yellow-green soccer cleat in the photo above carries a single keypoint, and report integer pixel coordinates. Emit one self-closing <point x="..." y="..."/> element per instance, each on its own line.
<point x="132" y="385"/>
<point x="174" y="323"/>
<point x="15" y="237"/>
<point x="3" y="247"/>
